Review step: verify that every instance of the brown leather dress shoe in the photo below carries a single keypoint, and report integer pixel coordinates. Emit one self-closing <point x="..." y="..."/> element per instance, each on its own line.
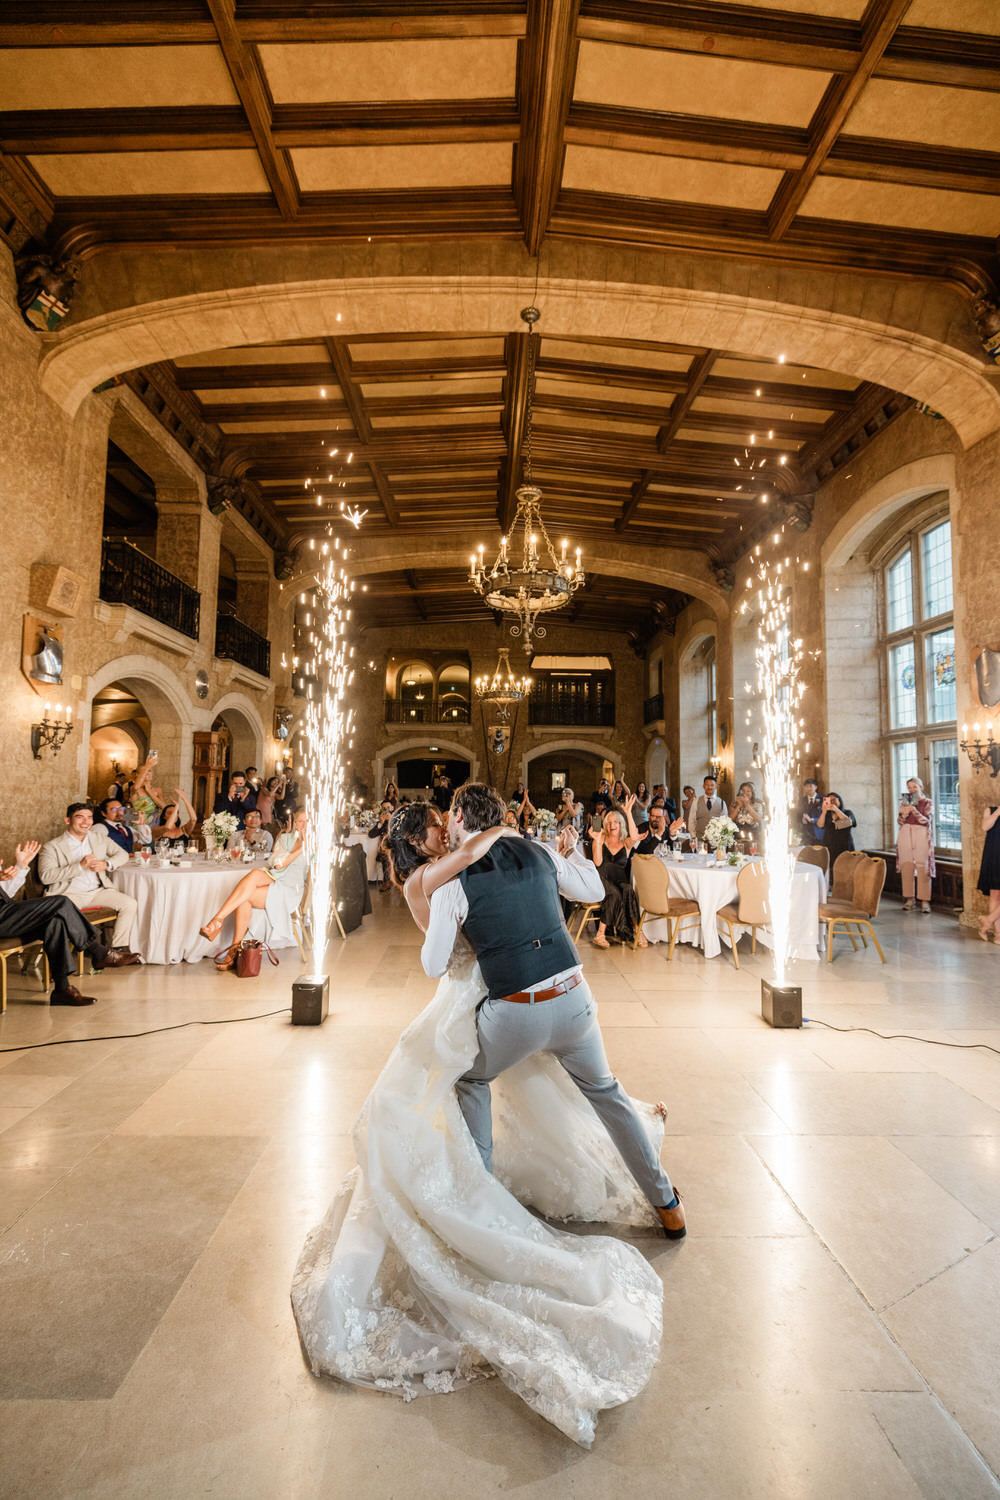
<point x="672" y="1219"/>
<point x="70" y="995"/>
<point x="116" y="958"/>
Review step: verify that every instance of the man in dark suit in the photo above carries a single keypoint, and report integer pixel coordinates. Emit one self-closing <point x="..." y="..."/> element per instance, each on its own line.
<point x="56" y="923"/>
<point x="111" y="815"/>
<point x="659" y="833"/>
<point x="239" y="800"/>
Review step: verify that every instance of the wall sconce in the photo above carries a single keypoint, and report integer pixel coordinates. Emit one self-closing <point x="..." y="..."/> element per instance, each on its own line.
<point x="982" y="756"/>
<point x="282" y="723"/>
<point x="51" y="734"/>
<point x="716" y="765"/>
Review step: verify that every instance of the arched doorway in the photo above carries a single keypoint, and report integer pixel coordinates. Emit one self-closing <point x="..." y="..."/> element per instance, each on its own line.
<point x="119" y="738"/>
<point x="137" y="705"/>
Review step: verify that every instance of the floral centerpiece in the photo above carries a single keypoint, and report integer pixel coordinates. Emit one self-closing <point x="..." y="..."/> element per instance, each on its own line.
<point x="218" y="828"/>
<point x="721" y="833"/>
<point x="544" y="823"/>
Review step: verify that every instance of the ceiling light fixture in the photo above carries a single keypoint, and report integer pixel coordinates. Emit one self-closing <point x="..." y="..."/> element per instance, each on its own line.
<point x="539" y="581"/>
<point x="503" y="689"/>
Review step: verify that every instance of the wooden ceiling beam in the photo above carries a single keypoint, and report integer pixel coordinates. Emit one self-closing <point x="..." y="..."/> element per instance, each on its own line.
<point x="673" y="382"/>
<point x="446" y="368"/>
<point x="244" y="70"/>
<point x="546" y="70"/>
<point x="663" y="134"/>
<point x="513" y="422"/>
<point x="879" y="23"/>
<point x="65" y="24"/>
<point x="681" y="405"/>
<point x="415" y="588"/>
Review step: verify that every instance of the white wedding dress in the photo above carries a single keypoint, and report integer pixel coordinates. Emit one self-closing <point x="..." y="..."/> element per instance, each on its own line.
<point x="427" y="1272"/>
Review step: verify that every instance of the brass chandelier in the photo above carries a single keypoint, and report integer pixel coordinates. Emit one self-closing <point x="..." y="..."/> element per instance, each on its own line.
<point x="502" y="689"/>
<point x="527" y="579"/>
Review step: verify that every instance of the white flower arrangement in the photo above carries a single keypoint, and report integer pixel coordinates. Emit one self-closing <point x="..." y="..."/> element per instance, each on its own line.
<point x="218" y="828"/>
<point x="721" y="833"/>
<point x="545" y="822"/>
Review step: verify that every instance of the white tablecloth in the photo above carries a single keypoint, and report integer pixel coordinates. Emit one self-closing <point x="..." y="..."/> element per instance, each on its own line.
<point x="714" y="886"/>
<point x="174" y="903"/>
<point x="371" y="849"/>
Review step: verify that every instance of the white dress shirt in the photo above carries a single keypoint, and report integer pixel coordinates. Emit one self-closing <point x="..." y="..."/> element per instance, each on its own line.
<point x="11" y="887"/>
<point x="578" y="881"/>
<point x="83" y="880"/>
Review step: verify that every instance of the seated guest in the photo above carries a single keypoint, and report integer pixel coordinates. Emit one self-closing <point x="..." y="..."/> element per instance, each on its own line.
<point x="569" y="813"/>
<point x="170" y="827"/>
<point x="807" y="811"/>
<point x="254" y="836"/>
<point x="80" y="864"/>
<point x="834" y="826"/>
<point x="280" y="885"/>
<point x="710" y="805"/>
<point x="111" y="815"/>
<point x="658" y="832"/>
<point x="510" y="818"/>
<point x="56" y="923"/>
<point x="746" y="812"/>
<point x="238" y="800"/>
<point x="612" y="847"/>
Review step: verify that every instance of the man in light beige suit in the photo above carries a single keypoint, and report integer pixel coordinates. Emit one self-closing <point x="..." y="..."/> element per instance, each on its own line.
<point x="79" y="864"/>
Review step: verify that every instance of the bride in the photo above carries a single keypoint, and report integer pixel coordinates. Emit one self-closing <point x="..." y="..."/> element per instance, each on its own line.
<point x="427" y="1272"/>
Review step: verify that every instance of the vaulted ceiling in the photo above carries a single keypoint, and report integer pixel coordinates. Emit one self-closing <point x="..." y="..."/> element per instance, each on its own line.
<point x="830" y="134"/>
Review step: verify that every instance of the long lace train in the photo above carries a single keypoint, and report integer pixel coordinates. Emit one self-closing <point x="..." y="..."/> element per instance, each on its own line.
<point x="427" y="1272"/>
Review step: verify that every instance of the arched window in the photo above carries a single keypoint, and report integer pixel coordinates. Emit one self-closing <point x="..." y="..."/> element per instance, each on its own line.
<point x="918" y="656"/>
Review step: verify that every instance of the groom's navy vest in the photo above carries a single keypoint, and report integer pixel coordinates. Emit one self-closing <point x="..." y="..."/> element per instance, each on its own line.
<point x="515" y="922"/>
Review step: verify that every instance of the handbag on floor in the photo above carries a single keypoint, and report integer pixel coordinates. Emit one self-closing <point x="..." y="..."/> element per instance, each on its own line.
<point x="248" y="958"/>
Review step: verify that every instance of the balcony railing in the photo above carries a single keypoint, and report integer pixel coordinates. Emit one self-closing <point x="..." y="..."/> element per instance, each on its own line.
<point x="446" y="710"/>
<point x="129" y="577"/>
<point x="235" y="641"/>
<point x="652" y="709"/>
<point x="580" y="701"/>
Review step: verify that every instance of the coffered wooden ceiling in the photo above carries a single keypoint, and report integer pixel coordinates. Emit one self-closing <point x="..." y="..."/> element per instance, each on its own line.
<point x="826" y="133"/>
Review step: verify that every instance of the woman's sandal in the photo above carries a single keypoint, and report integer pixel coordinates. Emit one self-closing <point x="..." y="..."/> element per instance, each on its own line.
<point x="211" y="929"/>
<point x="985" y="923"/>
<point x="226" y="958"/>
<point x="600" y="942"/>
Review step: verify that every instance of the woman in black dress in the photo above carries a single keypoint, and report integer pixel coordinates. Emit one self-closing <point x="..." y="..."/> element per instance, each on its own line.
<point x="834" y="826"/>
<point x="612" y="854"/>
<point x="989" y="875"/>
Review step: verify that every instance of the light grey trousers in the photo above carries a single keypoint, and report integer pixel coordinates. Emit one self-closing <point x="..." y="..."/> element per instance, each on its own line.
<point x="567" y="1027"/>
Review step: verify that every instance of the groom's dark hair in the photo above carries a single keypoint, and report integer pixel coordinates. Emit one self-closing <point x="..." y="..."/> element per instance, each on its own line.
<point x="480" y="805"/>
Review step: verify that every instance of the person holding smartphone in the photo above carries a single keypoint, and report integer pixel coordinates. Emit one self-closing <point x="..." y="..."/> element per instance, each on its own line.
<point x="834" y="826"/>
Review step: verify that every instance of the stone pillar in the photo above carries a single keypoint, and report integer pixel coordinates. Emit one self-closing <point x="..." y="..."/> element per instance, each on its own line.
<point x="187" y="544"/>
<point x="253" y="593"/>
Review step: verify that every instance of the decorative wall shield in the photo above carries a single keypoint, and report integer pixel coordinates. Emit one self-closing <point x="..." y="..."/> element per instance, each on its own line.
<point x="987" y="666"/>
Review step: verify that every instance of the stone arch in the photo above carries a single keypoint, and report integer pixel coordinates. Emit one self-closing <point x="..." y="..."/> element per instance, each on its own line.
<point x="375" y="294"/>
<point x="851" y="631"/>
<point x="246" y="727"/>
<point x="390" y="754"/>
<point x="171" y="713"/>
<point x="552" y="747"/>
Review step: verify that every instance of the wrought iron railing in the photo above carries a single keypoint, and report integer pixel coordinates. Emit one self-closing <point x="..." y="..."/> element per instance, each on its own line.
<point x="652" y="709"/>
<point x="581" y="701"/>
<point x="237" y="642"/>
<point x="129" y="577"/>
<point x="446" y="710"/>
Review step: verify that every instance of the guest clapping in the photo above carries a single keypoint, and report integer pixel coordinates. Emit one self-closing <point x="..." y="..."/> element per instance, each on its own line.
<point x="612" y="849"/>
<point x="170" y="826"/>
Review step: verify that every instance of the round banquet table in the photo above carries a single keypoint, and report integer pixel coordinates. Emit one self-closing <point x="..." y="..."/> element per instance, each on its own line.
<point x="371" y="849"/>
<point x="713" y="886"/>
<point x="174" y="903"/>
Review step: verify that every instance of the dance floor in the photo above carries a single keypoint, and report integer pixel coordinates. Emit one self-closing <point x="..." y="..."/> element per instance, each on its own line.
<point x="832" y="1320"/>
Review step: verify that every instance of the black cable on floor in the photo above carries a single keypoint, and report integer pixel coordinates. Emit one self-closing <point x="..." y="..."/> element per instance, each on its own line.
<point x="904" y="1036"/>
<point x="124" y="1036"/>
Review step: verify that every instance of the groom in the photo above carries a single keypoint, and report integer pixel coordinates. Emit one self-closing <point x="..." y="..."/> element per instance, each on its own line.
<point x="507" y="905"/>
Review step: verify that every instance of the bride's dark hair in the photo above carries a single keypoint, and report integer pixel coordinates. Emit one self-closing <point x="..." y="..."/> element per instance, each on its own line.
<point x="404" y="843"/>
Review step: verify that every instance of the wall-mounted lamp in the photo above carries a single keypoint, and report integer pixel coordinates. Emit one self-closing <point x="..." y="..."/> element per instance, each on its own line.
<point x="983" y="755"/>
<point x="51" y="734"/>
<point x="716" y="765"/>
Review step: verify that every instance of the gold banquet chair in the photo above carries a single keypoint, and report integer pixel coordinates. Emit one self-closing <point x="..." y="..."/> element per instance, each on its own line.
<point x="21" y="947"/>
<point x="843" y="875"/>
<point x="651" y="880"/>
<point x="814" y="854"/>
<point x="585" y="910"/>
<point x="858" y="914"/>
<point x="752" y="909"/>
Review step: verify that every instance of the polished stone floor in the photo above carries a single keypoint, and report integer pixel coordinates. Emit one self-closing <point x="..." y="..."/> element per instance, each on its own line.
<point x="832" y="1320"/>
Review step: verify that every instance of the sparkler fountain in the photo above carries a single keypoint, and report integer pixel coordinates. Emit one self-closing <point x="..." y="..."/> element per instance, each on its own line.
<point x="780" y="691"/>
<point x="328" y="731"/>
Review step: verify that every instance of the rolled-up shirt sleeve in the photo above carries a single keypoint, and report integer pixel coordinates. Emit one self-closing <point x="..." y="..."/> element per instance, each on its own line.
<point x="449" y="909"/>
<point x="578" y="877"/>
<point x="11" y="887"/>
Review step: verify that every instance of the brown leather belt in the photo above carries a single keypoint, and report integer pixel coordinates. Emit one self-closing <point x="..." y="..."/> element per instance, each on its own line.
<point x="526" y="997"/>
